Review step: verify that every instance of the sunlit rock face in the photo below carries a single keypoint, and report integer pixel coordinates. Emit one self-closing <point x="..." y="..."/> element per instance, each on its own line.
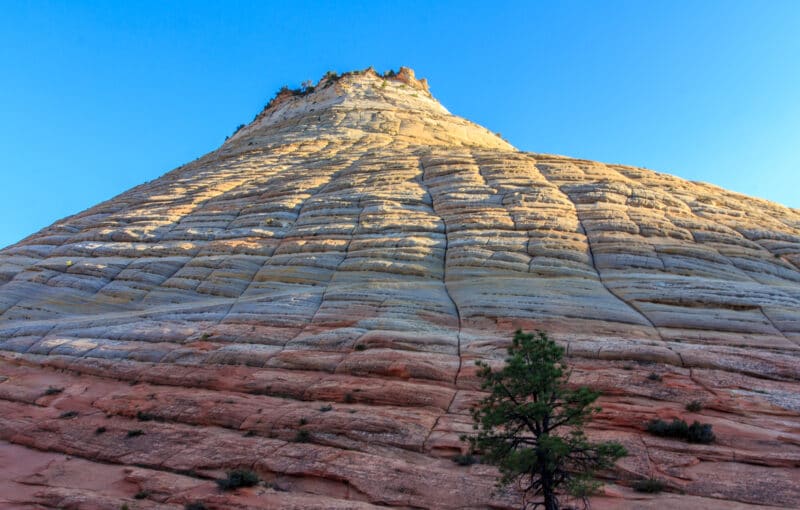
<point x="337" y="266"/>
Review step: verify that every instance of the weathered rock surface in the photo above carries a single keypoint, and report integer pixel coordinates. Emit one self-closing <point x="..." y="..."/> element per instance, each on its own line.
<point x="337" y="266"/>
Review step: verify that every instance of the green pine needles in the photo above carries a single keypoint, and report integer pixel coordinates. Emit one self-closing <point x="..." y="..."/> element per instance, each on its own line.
<point x="531" y="425"/>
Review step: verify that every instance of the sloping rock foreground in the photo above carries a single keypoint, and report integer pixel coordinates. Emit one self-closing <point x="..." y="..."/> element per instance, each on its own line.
<point x="308" y="302"/>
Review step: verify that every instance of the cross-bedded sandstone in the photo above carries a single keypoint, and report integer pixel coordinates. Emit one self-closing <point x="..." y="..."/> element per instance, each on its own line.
<point x="337" y="266"/>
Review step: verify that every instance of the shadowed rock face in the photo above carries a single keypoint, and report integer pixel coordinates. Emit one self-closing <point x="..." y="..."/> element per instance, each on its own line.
<point x="337" y="266"/>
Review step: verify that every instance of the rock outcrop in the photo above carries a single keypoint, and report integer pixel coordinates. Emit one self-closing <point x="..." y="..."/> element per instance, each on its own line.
<point x="308" y="302"/>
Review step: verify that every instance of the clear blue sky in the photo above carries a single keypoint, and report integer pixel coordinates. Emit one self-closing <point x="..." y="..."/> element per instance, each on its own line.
<point x="96" y="97"/>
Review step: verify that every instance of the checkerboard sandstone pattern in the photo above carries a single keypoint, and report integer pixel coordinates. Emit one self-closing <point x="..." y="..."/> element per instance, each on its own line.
<point x="337" y="266"/>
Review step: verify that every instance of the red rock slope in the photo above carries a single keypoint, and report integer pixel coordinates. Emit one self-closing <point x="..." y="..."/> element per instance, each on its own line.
<point x="308" y="300"/>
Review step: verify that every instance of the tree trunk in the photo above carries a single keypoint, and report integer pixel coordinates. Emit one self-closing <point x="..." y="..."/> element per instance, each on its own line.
<point x="550" y="501"/>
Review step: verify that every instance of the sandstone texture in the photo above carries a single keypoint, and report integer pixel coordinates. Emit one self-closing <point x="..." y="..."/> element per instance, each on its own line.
<point x="308" y="302"/>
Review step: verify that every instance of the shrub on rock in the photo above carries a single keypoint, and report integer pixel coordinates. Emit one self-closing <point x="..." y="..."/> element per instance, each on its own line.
<point x="649" y="485"/>
<point x="694" y="406"/>
<point x="695" y="433"/>
<point x="238" y="478"/>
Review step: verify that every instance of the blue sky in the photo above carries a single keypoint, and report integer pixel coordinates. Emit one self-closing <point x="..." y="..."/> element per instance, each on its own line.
<point x="96" y="97"/>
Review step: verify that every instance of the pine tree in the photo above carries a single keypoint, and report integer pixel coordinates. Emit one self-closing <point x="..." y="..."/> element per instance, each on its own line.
<point x="531" y="425"/>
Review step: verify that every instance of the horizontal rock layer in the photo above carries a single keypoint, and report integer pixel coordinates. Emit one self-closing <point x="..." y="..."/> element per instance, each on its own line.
<point x="336" y="268"/>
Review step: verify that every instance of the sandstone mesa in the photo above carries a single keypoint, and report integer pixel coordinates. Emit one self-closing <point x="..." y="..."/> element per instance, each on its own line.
<point x="337" y="266"/>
